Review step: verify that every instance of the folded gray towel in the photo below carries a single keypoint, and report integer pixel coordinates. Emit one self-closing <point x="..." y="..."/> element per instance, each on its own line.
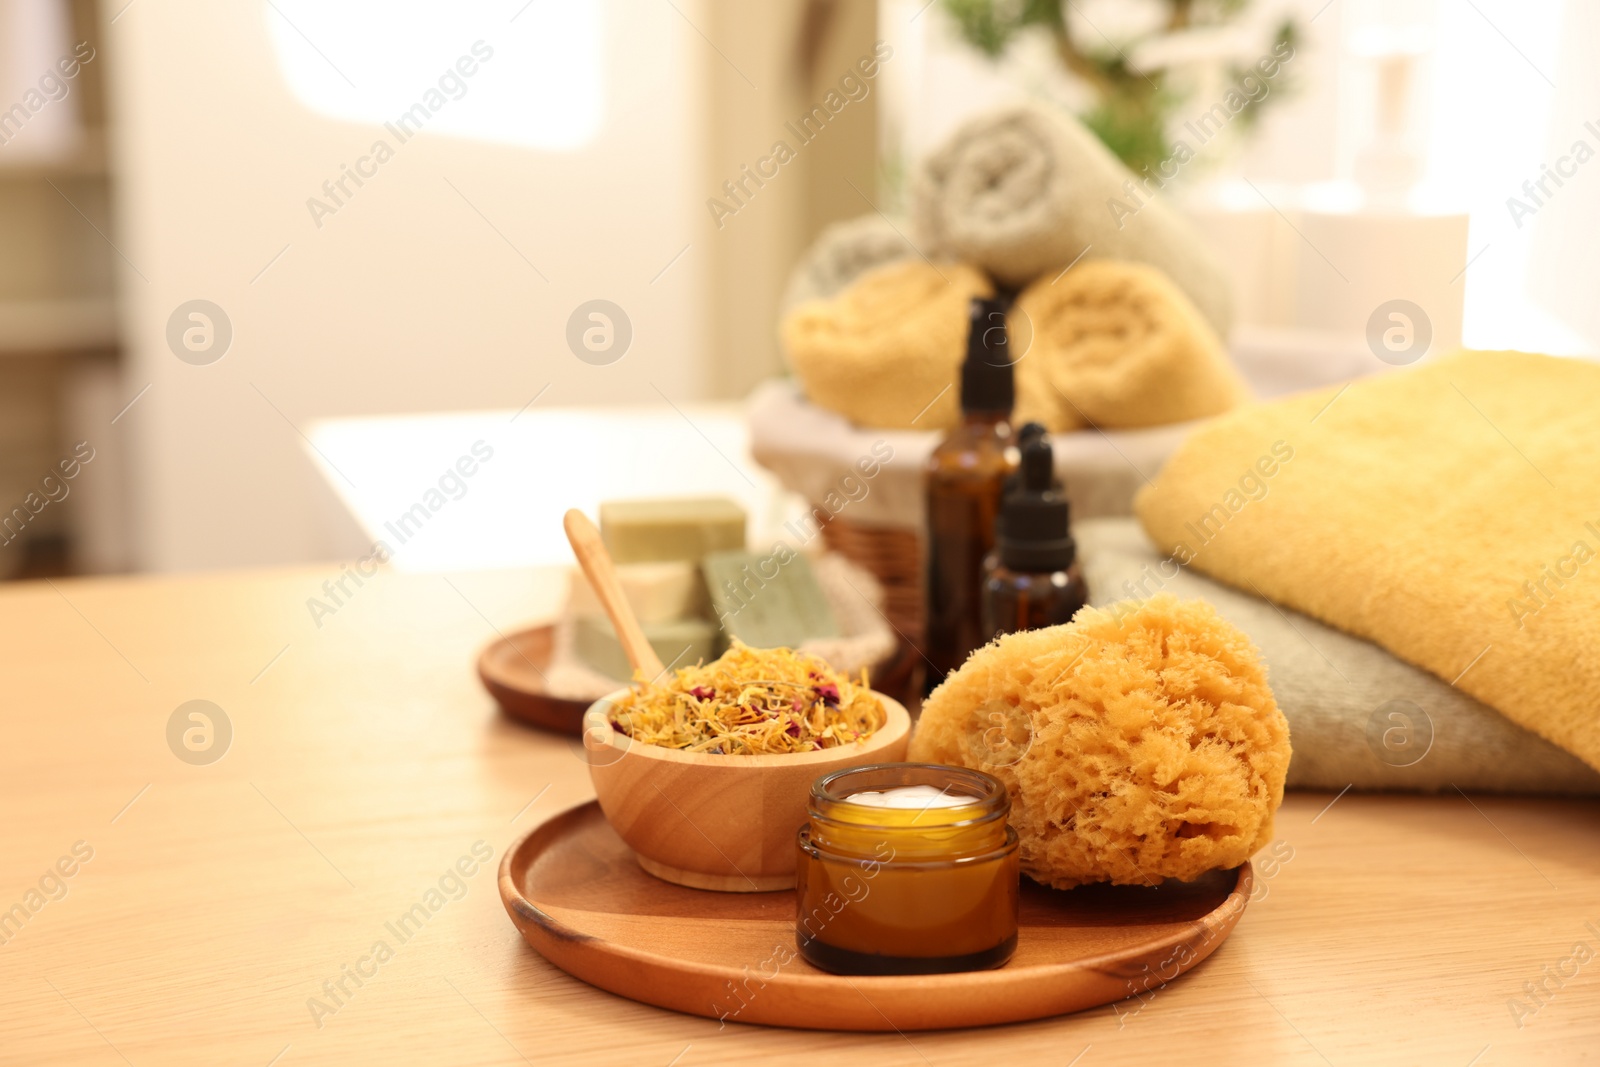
<point x="1357" y="715"/>
<point x="1024" y="190"/>
<point x="842" y="253"/>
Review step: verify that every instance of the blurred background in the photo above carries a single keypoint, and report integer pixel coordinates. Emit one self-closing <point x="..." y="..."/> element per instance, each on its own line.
<point x="275" y="266"/>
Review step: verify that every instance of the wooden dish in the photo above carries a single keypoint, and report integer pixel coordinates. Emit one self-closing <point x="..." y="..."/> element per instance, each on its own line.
<point x="512" y="669"/>
<point x="573" y="890"/>
<point x="719" y="822"/>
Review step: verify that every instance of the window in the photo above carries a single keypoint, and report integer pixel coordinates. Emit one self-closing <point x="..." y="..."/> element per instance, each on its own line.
<point x="536" y="72"/>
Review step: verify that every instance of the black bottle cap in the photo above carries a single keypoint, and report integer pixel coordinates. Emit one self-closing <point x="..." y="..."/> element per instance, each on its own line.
<point x="986" y="384"/>
<point x="1030" y="431"/>
<point x="1033" y="532"/>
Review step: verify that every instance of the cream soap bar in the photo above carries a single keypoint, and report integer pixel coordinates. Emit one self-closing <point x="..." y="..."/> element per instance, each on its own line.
<point x="657" y="592"/>
<point x="680" y="528"/>
<point x="679" y="643"/>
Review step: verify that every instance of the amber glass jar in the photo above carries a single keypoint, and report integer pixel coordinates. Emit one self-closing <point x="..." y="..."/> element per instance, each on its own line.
<point x="907" y="890"/>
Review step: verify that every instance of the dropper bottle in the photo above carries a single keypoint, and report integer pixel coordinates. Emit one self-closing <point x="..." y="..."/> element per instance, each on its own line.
<point x="1032" y="579"/>
<point x="966" y="475"/>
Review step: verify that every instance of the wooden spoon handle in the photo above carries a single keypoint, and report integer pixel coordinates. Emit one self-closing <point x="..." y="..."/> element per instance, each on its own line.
<point x="602" y="574"/>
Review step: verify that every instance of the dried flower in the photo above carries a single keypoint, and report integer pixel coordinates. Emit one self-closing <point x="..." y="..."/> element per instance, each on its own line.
<point x="771" y="701"/>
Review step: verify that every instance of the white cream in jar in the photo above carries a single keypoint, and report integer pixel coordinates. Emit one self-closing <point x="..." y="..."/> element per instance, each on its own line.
<point x="911" y="796"/>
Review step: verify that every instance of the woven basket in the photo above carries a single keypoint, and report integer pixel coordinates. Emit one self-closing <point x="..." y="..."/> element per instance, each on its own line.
<point x="892" y="556"/>
<point x="814" y="453"/>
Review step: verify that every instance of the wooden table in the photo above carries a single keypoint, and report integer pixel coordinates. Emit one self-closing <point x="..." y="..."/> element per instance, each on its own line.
<point x="365" y="761"/>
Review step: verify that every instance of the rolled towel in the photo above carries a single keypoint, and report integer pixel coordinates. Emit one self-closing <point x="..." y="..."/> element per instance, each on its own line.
<point x="1024" y="191"/>
<point x="887" y="351"/>
<point x="1358" y="716"/>
<point x="1116" y="345"/>
<point x="842" y="253"/>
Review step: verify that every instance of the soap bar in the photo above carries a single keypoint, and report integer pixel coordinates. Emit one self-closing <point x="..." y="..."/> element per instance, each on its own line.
<point x="657" y="592"/>
<point x="679" y="643"/>
<point x="771" y="601"/>
<point x="678" y="528"/>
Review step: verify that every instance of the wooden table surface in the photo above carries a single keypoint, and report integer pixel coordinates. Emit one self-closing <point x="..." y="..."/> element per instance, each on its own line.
<point x="365" y="761"/>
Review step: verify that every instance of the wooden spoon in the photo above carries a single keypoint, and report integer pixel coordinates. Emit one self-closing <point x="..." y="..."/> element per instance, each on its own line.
<point x="602" y="574"/>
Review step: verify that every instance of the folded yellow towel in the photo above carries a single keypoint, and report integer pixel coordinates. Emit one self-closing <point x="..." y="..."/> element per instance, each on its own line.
<point x="1116" y="345"/>
<point x="887" y="351"/>
<point x="1024" y="190"/>
<point x="1450" y="513"/>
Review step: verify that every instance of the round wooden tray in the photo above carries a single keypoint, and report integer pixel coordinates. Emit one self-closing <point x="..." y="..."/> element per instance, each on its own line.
<point x="512" y="667"/>
<point x="574" y="890"/>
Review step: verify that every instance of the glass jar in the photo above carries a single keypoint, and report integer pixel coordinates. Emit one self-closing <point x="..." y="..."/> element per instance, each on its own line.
<point x="907" y="890"/>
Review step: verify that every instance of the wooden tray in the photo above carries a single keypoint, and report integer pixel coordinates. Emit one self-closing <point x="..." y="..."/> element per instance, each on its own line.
<point x="511" y="668"/>
<point x="574" y="890"/>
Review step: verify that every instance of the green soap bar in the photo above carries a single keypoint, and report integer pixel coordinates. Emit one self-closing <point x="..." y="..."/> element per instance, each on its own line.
<point x="679" y="643"/>
<point x="678" y="528"/>
<point x="770" y="601"/>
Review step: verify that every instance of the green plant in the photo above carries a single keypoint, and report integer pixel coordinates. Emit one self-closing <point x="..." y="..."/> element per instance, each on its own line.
<point x="1133" y="106"/>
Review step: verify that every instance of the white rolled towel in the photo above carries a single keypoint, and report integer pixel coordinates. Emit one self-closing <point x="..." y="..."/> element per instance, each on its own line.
<point x="842" y="253"/>
<point x="1022" y="191"/>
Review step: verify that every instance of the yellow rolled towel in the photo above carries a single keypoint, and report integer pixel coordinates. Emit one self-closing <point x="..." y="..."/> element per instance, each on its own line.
<point x="887" y="351"/>
<point x="1115" y="344"/>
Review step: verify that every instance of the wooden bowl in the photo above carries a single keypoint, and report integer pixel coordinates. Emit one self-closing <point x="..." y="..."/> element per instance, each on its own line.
<point x="719" y="822"/>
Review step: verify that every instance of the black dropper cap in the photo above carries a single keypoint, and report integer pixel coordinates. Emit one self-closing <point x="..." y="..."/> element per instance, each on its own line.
<point x="1033" y="533"/>
<point x="986" y="384"/>
<point x="1030" y="431"/>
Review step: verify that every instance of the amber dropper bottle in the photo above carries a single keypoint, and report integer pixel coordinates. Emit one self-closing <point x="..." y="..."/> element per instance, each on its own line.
<point x="966" y="475"/>
<point x="1032" y="578"/>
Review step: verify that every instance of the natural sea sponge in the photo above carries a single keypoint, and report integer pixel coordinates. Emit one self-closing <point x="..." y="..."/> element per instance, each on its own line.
<point x="1138" y="744"/>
